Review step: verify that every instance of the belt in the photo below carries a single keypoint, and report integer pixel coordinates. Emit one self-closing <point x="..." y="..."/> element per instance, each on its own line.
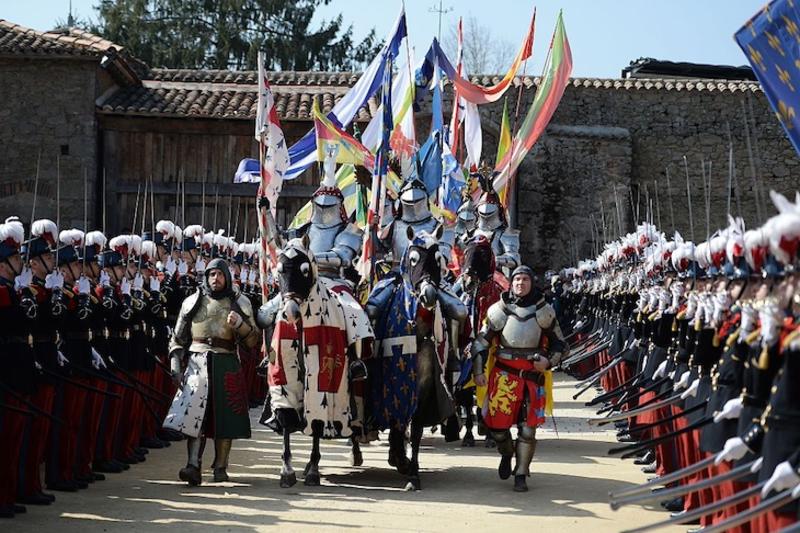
<point x="516" y="353"/>
<point x="528" y="375"/>
<point x="216" y="342"/>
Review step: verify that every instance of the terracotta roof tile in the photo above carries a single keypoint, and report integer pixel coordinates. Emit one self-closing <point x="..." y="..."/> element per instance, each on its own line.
<point x="19" y="40"/>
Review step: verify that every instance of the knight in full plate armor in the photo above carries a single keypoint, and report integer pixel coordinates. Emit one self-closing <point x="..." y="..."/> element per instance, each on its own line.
<point x="519" y="342"/>
<point x="212" y="401"/>
<point x="493" y="225"/>
<point x="413" y="212"/>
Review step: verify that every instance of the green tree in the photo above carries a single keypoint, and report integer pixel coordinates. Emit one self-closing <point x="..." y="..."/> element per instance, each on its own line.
<point x="227" y="34"/>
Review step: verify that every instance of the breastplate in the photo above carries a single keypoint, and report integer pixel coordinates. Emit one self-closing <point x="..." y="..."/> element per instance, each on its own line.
<point x="400" y="239"/>
<point x="322" y="239"/>
<point x="211" y="319"/>
<point x="521" y="329"/>
<point x="494" y="237"/>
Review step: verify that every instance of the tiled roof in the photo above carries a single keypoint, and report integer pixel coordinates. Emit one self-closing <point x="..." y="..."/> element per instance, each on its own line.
<point x="223" y="100"/>
<point x="248" y="77"/>
<point x="19" y="40"/>
<point x="660" y="84"/>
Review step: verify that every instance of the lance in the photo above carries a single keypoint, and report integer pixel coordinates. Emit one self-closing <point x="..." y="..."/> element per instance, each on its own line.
<point x="689" y="198"/>
<point x="689" y="516"/>
<point x="680" y="490"/>
<point x="33" y="208"/>
<point x="665" y="479"/>
<point x="78" y="384"/>
<point x="664" y="420"/>
<point x="634" y="412"/>
<point x="753" y="171"/>
<point x="776" y="502"/>
<point x="643" y="446"/>
<point x="669" y="197"/>
<point x="597" y="378"/>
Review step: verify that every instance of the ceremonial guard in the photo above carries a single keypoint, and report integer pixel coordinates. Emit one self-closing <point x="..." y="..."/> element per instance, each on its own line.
<point x="524" y="340"/>
<point x="212" y="400"/>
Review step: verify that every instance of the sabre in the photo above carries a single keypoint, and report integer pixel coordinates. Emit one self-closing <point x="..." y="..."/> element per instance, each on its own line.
<point x="634" y="412"/>
<point x="674" y="492"/>
<point x="777" y="501"/>
<point x="597" y="378"/>
<point x="591" y="375"/>
<point x="669" y="197"/>
<point x="645" y="427"/>
<point x="625" y="399"/>
<point x="689" y="516"/>
<point x="621" y="389"/>
<point x="689" y="198"/>
<point x="633" y="449"/>
<point x="136" y="208"/>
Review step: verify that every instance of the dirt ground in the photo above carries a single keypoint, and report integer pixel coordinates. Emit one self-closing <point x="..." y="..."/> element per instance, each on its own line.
<point x="572" y="476"/>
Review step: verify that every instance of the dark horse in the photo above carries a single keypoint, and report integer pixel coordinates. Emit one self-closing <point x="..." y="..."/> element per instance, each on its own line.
<point x="479" y="286"/>
<point x="412" y="313"/>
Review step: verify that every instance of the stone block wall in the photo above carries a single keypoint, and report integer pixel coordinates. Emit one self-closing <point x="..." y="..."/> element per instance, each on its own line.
<point x="48" y="107"/>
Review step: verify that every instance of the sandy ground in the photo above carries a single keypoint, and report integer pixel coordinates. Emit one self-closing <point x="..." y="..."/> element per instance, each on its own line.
<point x="569" y="487"/>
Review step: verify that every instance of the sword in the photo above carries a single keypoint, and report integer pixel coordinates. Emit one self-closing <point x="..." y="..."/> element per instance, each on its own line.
<point x="34" y="410"/>
<point x="650" y="388"/>
<point x="682" y="518"/>
<point x="586" y="355"/>
<point x="779" y="500"/>
<point x="598" y="377"/>
<point x="633" y="449"/>
<point x="674" y="492"/>
<point x="628" y="414"/>
<point x="620" y="389"/>
<point x="665" y="479"/>
<point x="645" y="427"/>
<point x="78" y="384"/>
<point x="625" y="399"/>
<point x="15" y="409"/>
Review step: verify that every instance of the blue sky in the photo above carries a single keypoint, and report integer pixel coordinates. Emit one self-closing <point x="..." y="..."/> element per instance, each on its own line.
<point x="605" y="35"/>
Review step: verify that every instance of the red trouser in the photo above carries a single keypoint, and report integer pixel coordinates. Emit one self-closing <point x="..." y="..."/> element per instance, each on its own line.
<point x="131" y="430"/>
<point x="149" y="422"/>
<point x="111" y="413"/>
<point x="726" y="489"/>
<point x="90" y="424"/>
<point x="12" y="425"/>
<point x="69" y="405"/>
<point x="35" y="450"/>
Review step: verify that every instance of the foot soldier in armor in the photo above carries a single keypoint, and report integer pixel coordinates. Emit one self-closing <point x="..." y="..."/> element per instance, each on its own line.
<point x="519" y="342"/>
<point x="212" y="401"/>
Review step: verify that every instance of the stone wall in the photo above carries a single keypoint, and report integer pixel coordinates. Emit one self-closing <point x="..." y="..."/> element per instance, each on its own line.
<point x="47" y="106"/>
<point x="663" y="127"/>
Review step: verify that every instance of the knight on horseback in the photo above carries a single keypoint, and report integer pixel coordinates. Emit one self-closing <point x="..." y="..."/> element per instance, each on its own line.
<point x="493" y="224"/>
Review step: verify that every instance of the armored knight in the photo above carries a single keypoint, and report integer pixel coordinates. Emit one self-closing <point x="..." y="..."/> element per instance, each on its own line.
<point x="526" y="341"/>
<point x="212" y="401"/>
<point x="492" y="224"/>
<point x="413" y="213"/>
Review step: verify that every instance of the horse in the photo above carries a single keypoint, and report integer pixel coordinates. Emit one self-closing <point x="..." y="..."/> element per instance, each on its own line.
<point x="411" y="311"/>
<point x="479" y="286"/>
<point x="314" y="346"/>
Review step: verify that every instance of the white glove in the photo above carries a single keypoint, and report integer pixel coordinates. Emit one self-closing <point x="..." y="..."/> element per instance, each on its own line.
<point x="61" y="359"/>
<point x="183" y="268"/>
<point x="138" y="282"/>
<point x="734" y="449"/>
<point x="771" y="322"/>
<point x="105" y="280"/>
<point x="692" y="390"/>
<point x="748" y="321"/>
<point x="125" y="287"/>
<point x="97" y="360"/>
<point x="731" y="410"/>
<point x="23" y="281"/>
<point x="683" y="382"/>
<point x="54" y="280"/>
<point x="84" y="287"/>
<point x="170" y="267"/>
<point x="200" y="266"/>
<point x="251" y="276"/>
<point x="243" y="274"/>
<point x="783" y="477"/>
<point x="155" y="284"/>
<point x="661" y="370"/>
